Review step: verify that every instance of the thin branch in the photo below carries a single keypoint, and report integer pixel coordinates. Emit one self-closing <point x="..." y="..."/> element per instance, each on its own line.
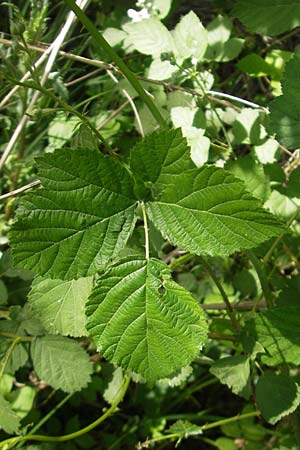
<point x="20" y="190"/>
<point x="146" y="230"/>
<point x="55" y="46"/>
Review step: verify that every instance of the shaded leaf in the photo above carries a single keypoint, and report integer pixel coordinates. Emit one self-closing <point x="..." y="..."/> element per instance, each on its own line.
<point x="277" y="396"/>
<point x="9" y="421"/>
<point x="268" y="16"/>
<point x="59" y="305"/>
<point x="61" y="362"/>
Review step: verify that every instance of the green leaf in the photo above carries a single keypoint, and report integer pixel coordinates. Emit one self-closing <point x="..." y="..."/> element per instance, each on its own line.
<point x="79" y="220"/>
<point x="114" y="386"/>
<point x="59" y="305"/>
<point x="60" y="130"/>
<point x="268" y="16"/>
<point x="9" y="421"/>
<point x="277" y="396"/>
<point x="220" y="46"/>
<point x="161" y="70"/>
<point x="160" y="158"/>
<point x="163" y="6"/>
<point x="278" y="330"/>
<point x="285" y="110"/>
<point x="143" y="321"/>
<point x="247" y="169"/>
<point x="210" y="212"/>
<point x="254" y="65"/>
<point x="114" y="36"/>
<point x="234" y="371"/>
<point x="61" y="362"/>
<point x="149" y="37"/>
<point x="190" y="38"/>
<point x="22" y="399"/>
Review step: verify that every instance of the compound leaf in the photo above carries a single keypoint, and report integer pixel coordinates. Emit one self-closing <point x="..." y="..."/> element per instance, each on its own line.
<point x="143" y="321"/>
<point x="277" y="396"/>
<point x="79" y="220"/>
<point x="210" y="212"/>
<point x="61" y="362"/>
<point x="59" y="304"/>
<point x="268" y="16"/>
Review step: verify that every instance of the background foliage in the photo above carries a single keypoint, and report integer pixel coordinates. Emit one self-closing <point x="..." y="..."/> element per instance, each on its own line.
<point x="158" y="263"/>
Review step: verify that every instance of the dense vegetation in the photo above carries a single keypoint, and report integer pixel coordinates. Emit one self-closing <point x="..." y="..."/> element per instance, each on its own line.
<point x="149" y="231"/>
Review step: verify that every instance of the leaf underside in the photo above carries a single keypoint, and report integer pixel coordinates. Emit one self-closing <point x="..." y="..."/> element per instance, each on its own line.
<point x="143" y="321"/>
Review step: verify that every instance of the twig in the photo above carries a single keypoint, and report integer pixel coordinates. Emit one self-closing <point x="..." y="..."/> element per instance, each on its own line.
<point x="20" y="190"/>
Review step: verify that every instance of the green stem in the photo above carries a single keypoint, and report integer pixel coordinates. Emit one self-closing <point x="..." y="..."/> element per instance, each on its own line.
<point x="9" y="443"/>
<point x="208" y="426"/>
<point x="146" y="230"/>
<point x="8" y="355"/>
<point x="99" y="39"/>
<point x="66" y="107"/>
<point x="276" y="242"/>
<point x="181" y="261"/>
<point x="48" y="416"/>
<point x="260" y="270"/>
<point x="229" y="307"/>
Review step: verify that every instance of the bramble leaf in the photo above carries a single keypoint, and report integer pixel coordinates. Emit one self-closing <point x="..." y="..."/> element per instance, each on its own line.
<point x="279" y="332"/>
<point x="59" y="304"/>
<point x="161" y="157"/>
<point x="285" y="110"/>
<point x="268" y="16"/>
<point x="277" y="396"/>
<point x="234" y="371"/>
<point x="9" y="421"/>
<point x="79" y="220"/>
<point x="143" y="321"/>
<point x="61" y="362"/>
<point x="210" y="212"/>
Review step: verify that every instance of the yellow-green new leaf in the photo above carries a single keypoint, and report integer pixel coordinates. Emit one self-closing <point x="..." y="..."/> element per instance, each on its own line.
<point x="143" y="321"/>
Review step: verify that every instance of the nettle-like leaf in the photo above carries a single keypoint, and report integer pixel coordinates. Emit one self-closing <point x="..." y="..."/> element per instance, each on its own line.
<point x="59" y="304"/>
<point x="143" y="321"/>
<point x="285" y="110"/>
<point x="61" y="362"/>
<point x="277" y="396"/>
<point x="161" y="158"/>
<point x="79" y="220"/>
<point x="278" y="331"/>
<point x="268" y="16"/>
<point x="210" y="212"/>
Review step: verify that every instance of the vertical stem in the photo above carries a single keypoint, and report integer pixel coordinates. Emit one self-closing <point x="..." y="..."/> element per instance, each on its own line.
<point x="118" y="61"/>
<point x="229" y="307"/>
<point x="264" y="282"/>
<point x="8" y="355"/>
<point x="146" y="230"/>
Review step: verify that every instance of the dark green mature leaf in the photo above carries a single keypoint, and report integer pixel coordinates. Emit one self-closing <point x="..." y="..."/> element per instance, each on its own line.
<point x="278" y="330"/>
<point x="61" y="362"/>
<point x="210" y="212"/>
<point x="161" y="158"/>
<point x="285" y="110"/>
<point x="9" y="421"/>
<point x="59" y="304"/>
<point x="277" y="396"/>
<point x="144" y="321"/>
<point x="268" y="16"/>
<point x="81" y="218"/>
